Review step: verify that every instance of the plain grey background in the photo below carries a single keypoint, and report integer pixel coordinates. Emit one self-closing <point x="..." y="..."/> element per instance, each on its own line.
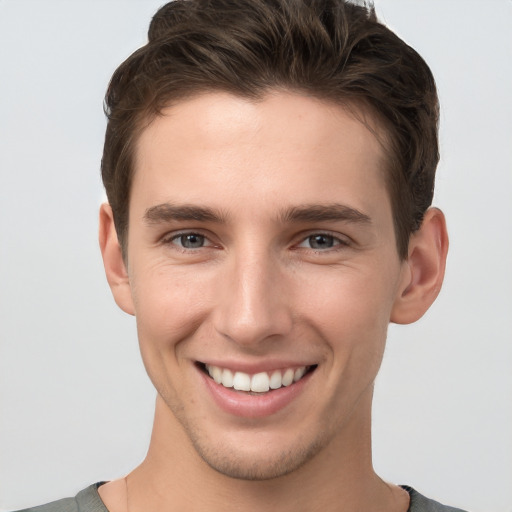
<point x="75" y="403"/>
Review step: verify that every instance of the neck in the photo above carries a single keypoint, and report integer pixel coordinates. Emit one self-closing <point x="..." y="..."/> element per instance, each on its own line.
<point x="174" y="477"/>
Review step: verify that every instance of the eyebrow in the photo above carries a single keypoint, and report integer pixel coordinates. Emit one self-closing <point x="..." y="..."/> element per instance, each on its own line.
<point x="322" y="213"/>
<point x="168" y="212"/>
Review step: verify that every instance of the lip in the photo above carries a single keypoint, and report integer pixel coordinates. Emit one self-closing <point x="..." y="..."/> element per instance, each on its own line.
<point x="247" y="405"/>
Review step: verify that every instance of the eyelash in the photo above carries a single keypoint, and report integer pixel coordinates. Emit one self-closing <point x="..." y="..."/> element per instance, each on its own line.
<point x="337" y="242"/>
<point x="170" y="240"/>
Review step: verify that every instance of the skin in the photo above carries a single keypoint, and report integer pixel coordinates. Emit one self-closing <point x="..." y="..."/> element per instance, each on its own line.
<point x="259" y="288"/>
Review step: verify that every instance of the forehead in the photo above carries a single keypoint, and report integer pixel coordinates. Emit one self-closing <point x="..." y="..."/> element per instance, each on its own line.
<point x="286" y="144"/>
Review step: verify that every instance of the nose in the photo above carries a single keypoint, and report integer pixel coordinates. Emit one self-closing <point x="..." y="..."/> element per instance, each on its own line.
<point x="252" y="305"/>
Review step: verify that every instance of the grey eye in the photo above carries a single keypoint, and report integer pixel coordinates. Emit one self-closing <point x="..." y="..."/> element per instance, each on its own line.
<point x="191" y="241"/>
<point x="321" y="241"/>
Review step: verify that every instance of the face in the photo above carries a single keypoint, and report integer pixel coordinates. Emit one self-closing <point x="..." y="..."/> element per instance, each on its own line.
<point x="261" y="255"/>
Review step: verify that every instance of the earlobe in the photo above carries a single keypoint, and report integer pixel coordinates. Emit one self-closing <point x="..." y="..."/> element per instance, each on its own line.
<point x="115" y="268"/>
<point x="425" y="266"/>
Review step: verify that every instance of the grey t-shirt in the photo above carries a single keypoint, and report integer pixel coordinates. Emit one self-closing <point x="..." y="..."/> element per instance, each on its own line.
<point x="89" y="500"/>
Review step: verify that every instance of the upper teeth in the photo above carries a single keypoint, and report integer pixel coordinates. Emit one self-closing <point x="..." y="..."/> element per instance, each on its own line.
<point x="259" y="382"/>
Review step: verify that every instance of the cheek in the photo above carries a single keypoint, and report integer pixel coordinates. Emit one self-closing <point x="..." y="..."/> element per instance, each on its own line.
<point x="169" y="311"/>
<point x="350" y="301"/>
<point x="169" y="305"/>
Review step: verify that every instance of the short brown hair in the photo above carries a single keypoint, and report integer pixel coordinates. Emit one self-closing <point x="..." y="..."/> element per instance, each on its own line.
<point x="329" y="49"/>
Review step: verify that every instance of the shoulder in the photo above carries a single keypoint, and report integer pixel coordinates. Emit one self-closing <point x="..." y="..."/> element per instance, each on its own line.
<point x="420" y="503"/>
<point x="87" y="500"/>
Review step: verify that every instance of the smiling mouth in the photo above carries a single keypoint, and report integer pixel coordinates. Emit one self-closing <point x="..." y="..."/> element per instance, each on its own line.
<point x="257" y="383"/>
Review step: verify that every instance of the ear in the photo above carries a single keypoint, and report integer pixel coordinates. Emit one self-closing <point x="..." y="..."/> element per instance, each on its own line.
<point x="115" y="268"/>
<point x="424" y="269"/>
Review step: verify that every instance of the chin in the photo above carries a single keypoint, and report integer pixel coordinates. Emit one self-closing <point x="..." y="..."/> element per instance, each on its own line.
<point x="258" y="462"/>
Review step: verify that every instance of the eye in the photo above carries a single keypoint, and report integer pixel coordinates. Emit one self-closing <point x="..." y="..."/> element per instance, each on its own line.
<point x="189" y="240"/>
<point x="320" y="241"/>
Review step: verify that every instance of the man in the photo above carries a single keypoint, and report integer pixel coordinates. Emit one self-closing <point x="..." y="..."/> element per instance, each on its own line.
<point x="269" y="167"/>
